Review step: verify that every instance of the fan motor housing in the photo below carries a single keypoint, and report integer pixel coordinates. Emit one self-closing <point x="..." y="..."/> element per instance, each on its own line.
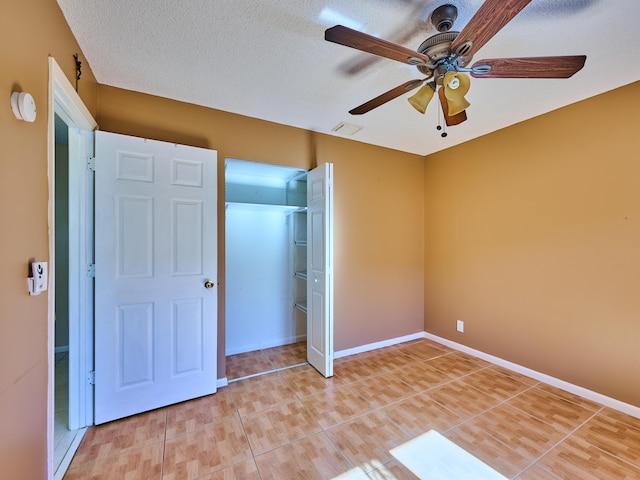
<point x="443" y="17"/>
<point x="438" y="49"/>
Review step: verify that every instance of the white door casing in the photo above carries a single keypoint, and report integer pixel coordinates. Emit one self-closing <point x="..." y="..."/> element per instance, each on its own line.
<point x="320" y="269"/>
<point x="156" y="247"/>
<point x="64" y="101"/>
<point x="80" y="237"/>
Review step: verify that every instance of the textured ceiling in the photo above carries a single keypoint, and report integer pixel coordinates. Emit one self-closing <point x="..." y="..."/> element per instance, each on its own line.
<point x="268" y="59"/>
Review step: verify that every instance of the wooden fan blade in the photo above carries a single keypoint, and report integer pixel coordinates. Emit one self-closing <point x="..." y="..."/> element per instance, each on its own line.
<point x="450" y="119"/>
<point x="532" y="67"/>
<point x="361" y="41"/>
<point x="385" y="97"/>
<point x="487" y="21"/>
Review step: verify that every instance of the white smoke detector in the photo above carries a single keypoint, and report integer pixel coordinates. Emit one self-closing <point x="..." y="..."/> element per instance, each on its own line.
<point x="23" y="106"/>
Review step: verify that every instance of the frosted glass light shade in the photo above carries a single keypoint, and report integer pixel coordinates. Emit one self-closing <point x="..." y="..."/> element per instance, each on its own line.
<point x="456" y="85"/>
<point x="421" y="98"/>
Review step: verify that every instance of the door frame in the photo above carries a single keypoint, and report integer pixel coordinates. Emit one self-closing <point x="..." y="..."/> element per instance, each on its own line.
<point x="64" y="100"/>
<point x="328" y="332"/>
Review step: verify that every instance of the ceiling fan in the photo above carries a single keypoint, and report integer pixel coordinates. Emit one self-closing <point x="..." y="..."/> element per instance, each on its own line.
<point x="444" y="57"/>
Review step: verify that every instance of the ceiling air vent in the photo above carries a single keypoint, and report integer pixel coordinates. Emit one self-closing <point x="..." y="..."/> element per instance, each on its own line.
<point x="346" y="128"/>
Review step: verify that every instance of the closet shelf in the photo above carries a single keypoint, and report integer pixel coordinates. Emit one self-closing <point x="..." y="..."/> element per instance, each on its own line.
<point x="302" y="306"/>
<point x="264" y="207"/>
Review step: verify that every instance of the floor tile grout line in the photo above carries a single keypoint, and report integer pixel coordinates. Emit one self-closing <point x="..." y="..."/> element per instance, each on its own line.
<point x="506" y="402"/>
<point x="501" y="403"/>
<point x="420" y="361"/>
<point x="543" y="420"/>
<point x="622" y="420"/>
<point x="571" y="432"/>
<point x="519" y="474"/>
<point x="164" y="442"/>
<point x="375" y="409"/>
<point x="263" y="354"/>
<point x="225" y="467"/>
<point x="324" y="432"/>
<point x="381" y="410"/>
<point x="322" y="429"/>
<point x="297" y="399"/>
<point x="599" y="405"/>
<point x="254" y="455"/>
<point x="633" y="465"/>
<point x="115" y="455"/>
<point x="201" y="428"/>
<point x="275" y="370"/>
<point x="239" y="417"/>
<point x="266" y="357"/>
<point x="246" y="436"/>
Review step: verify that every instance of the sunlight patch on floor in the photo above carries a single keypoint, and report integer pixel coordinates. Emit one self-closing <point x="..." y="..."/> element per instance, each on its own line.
<point x="435" y="457"/>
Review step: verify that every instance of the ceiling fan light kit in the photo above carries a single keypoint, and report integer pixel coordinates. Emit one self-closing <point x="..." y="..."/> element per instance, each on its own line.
<point x="456" y="85"/>
<point x="420" y="100"/>
<point x="444" y="57"/>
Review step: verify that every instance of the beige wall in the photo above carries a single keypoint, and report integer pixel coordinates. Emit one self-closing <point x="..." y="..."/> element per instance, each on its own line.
<point x="533" y="239"/>
<point x="378" y="205"/>
<point x="23" y="213"/>
<point x="530" y="235"/>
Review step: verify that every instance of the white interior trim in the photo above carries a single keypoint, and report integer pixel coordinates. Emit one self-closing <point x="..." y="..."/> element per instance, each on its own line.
<point x="374" y="346"/>
<point x="222" y="382"/>
<point x="68" y="99"/>
<point x="64" y="100"/>
<point x="66" y="461"/>
<point x="542" y="377"/>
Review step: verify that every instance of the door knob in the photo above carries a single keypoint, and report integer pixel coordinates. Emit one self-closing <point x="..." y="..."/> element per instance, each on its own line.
<point x="208" y="284"/>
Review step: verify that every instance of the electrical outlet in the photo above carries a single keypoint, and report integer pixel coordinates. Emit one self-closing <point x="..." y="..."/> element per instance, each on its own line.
<point x="460" y="325"/>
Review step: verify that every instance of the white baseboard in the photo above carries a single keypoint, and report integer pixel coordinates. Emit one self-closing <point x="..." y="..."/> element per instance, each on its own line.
<point x="222" y="382"/>
<point x="542" y="377"/>
<point x="68" y="456"/>
<point x="374" y="346"/>
<point x="262" y="345"/>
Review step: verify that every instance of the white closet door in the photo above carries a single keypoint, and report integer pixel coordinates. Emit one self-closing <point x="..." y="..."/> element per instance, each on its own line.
<point x="320" y="269"/>
<point x="156" y="249"/>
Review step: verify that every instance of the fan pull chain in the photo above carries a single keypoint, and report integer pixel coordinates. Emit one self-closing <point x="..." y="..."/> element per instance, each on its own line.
<point x="441" y="127"/>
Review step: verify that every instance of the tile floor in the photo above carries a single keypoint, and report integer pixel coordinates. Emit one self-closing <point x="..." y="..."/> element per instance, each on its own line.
<point x="260" y="361"/>
<point x="294" y="424"/>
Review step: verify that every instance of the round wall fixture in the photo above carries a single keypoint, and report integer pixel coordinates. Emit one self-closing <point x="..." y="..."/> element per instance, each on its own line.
<point x="23" y="106"/>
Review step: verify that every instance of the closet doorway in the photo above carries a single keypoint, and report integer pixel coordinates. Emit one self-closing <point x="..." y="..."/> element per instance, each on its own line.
<point x="267" y="265"/>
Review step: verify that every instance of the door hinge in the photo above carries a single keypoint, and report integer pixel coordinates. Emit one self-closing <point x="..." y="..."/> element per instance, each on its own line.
<point x="91" y="377"/>
<point x="91" y="270"/>
<point x="91" y="164"/>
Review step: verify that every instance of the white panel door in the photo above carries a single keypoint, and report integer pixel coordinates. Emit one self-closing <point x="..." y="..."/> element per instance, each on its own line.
<point x="320" y="268"/>
<point x="156" y="249"/>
